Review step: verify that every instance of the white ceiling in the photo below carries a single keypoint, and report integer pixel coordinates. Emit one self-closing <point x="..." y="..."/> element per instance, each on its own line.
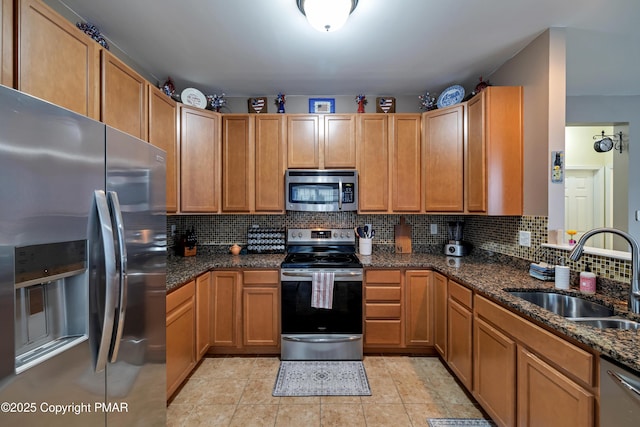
<point x="388" y="47"/>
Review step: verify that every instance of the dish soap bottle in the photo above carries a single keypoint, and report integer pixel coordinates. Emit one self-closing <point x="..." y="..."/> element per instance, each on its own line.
<point x="587" y="281"/>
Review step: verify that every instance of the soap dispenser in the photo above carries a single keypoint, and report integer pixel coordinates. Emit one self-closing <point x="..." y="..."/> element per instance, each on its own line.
<point x="587" y="281"/>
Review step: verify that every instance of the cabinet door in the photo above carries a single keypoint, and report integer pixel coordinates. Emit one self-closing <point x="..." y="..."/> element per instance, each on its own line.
<point x="6" y="43"/>
<point x="443" y="159"/>
<point x="237" y="163"/>
<point x="203" y="286"/>
<point x="494" y="372"/>
<point x="181" y="349"/>
<point x="269" y="162"/>
<point x="303" y="141"/>
<point x="476" y="156"/>
<point x="56" y="61"/>
<point x="459" y="343"/>
<point x="199" y="160"/>
<point x="339" y="141"/>
<point x="224" y="308"/>
<point x="406" y="167"/>
<point x="163" y="133"/>
<point x="123" y="101"/>
<point x="419" y="308"/>
<point x="373" y="163"/>
<point x="548" y="398"/>
<point x="260" y="316"/>
<point x="440" y="314"/>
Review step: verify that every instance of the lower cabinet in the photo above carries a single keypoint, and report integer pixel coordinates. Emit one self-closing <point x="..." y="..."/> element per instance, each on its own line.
<point x="548" y="398"/>
<point x="459" y="332"/>
<point x="203" y="284"/>
<point x="260" y="309"/>
<point x="419" y="308"/>
<point x="181" y="335"/>
<point x="494" y="380"/>
<point x="440" y="314"/>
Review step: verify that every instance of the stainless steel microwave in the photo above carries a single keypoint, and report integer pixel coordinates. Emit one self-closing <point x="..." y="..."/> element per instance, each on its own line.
<point x="321" y="190"/>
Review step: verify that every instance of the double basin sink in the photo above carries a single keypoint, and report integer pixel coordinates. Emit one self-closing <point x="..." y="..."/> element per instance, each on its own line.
<point x="577" y="309"/>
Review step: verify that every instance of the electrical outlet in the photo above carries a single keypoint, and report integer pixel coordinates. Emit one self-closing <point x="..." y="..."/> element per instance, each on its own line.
<point x="524" y="238"/>
<point x="434" y="228"/>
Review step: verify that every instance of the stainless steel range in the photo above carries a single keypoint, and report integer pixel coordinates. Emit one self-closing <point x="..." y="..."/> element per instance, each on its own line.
<point x="329" y="333"/>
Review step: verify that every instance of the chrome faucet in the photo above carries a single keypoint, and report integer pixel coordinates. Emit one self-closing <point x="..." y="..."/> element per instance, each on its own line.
<point x="634" y="291"/>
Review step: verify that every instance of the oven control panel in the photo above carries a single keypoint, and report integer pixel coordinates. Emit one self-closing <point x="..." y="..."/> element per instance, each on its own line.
<point x="321" y="235"/>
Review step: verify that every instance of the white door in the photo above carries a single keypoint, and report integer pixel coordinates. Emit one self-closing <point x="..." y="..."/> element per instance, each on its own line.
<point x="583" y="204"/>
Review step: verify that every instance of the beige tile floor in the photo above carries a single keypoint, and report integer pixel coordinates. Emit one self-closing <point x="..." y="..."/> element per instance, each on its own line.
<point x="236" y="391"/>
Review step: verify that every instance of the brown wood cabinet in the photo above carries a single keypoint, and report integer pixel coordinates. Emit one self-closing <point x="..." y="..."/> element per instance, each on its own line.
<point x="440" y="298"/>
<point x="237" y="163"/>
<point x="339" y="141"/>
<point x="181" y="335"/>
<point x="55" y="60"/>
<point x="494" y="369"/>
<point x="270" y="141"/>
<point x="163" y="133"/>
<point x="318" y="141"/>
<point x="419" y="308"/>
<point x="548" y="398"/>
<point x="199" y="160"/>
<point x="203" y="286"/>
<point x="225" y="310"/>
<point x="383" y="317"/>
<point x="443" y="159"/>
<point x="123" y="100"/>
<point x="406" y="183"/>
<point x="261" y="308"/>
<point x="459" y="332"/>
<point x="372" y="136"/>
<point x="253" y="163"/>
<point x="494" y="163"/>
<point x="6" y="43"/>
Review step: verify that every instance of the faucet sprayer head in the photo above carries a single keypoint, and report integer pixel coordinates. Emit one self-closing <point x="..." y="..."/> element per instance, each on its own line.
<point x="576" y="252"/>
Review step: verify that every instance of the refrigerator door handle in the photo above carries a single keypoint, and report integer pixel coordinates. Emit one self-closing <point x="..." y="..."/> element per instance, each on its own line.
<point x="111" y="278"/>
<point x="116" y="213"/>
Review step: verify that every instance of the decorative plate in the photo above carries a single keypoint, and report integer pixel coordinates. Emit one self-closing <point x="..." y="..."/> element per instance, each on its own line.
<point x="193" y="97"/>
<point x="450" y="96"/>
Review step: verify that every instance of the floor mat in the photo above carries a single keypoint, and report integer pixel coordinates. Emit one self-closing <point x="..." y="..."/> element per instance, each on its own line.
<point x="321" y="378"/>
<point x="459" y="422"/>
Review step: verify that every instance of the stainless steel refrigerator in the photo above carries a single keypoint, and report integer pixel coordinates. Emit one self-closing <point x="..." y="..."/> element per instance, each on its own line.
<point x="82" y="270"/>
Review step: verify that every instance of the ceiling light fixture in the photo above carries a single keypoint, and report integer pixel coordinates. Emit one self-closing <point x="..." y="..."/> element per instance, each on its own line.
<point x="327" y="15"/>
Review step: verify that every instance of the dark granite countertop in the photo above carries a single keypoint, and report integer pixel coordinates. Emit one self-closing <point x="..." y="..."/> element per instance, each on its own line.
<point x="487" y="275"/>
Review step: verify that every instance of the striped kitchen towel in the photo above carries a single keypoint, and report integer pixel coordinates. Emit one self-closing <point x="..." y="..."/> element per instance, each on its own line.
<point x="322" y="290"/>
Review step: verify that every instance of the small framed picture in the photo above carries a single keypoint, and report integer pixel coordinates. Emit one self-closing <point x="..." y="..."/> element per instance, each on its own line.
<point x="322" y="105"/>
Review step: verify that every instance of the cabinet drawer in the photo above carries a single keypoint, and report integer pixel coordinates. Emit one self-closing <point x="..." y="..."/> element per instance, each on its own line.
<point x="382" y="332"/>
<point x="382" y="276"/>
<point x="382" y="293"/>
<point x="382" y="311"/>
<point x="566" y="356"/>
<point x="180" y="295"/>
<point x="261" y="277"/>
<point x="461" y="294"/>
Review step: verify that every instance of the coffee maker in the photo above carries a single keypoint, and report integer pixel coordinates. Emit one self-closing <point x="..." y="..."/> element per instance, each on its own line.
<point x="456" y="246"/>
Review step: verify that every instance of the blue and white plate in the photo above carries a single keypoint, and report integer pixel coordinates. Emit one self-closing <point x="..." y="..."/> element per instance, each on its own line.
<point x="450" y="96"/>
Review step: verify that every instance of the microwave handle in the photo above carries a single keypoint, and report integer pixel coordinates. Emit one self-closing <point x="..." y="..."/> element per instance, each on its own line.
<point x="340" y="194"/>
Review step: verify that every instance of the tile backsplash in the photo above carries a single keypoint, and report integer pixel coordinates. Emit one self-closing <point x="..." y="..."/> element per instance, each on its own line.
<point x="492" y="234"/>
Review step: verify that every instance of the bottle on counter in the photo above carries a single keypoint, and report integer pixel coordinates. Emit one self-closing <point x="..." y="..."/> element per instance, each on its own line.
<point x="587" y="281"/>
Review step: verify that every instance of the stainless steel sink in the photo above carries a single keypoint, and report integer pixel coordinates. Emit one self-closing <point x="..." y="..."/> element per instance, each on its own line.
<point x="609" y="323"/>
<point x="564" y="305"/>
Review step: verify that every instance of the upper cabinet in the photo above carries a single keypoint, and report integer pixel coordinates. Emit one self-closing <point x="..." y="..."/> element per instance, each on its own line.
<point x="56" y="61"/>
<point x="163" y="133"/>
<point x="443" y="159"/>
<point x="199" y="160"/>
<point x="494" y="171"/>
<point x="123" y="101"/>
<point x="321" y="141"/>
<point x="389" y="169"/>
<point x="253" y="163"/>
<point x="6" y="43"/>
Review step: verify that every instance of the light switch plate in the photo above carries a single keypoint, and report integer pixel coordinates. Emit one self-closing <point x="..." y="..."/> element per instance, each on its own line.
<point x="524" y="238"/>
<point x="434" y="228"/>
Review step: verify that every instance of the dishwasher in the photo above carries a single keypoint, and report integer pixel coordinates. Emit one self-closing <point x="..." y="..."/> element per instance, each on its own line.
<point x="619" y="395"/>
